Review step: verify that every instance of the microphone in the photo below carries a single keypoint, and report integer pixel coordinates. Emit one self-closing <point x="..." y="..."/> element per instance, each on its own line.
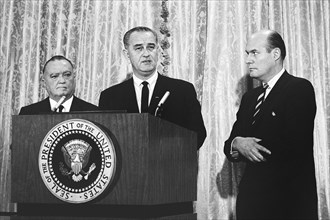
<point x="60" y="102"/>
<point x="161" y="102"/>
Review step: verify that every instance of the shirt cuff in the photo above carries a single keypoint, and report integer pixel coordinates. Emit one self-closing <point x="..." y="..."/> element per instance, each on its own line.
<point x="233" y="153"/>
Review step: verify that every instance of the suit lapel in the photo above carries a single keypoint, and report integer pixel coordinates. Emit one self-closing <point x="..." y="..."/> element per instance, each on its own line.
<point x="273" y="95"/>
<point x="159" y="91"/>
<point x="45" y="105"/>
<point x="130" y="97"/>
<point x="75" y="105"/>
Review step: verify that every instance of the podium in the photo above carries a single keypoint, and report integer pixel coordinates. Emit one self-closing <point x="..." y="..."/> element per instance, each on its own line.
<point x="155" y="175"/>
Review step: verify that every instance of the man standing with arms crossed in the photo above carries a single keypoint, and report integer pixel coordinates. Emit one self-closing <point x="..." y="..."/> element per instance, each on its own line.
<point x="273" y="134"/>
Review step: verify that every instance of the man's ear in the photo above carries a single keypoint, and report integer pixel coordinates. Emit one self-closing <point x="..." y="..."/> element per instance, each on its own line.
<point x="42" y="81"/>
<point x="160" y="52"/>
<point x="125" y="51"/>
<point x="276" y="53"/>
<point x="42" y="78"/>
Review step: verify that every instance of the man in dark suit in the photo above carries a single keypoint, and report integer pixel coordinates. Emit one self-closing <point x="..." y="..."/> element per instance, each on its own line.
<point x="59" y="79"/>
<point x="273" y="135"/>
<point x="181" y="107"/>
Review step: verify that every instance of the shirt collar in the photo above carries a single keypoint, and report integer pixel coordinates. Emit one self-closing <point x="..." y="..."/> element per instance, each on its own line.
<point x="67" y="104"/>
<point x="152" y="80"/>
<point x="271" y="83"/>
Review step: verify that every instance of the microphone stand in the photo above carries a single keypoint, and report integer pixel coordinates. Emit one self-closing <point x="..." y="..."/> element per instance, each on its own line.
<point x="60" y="102"/>
<point x="159" y="110"/>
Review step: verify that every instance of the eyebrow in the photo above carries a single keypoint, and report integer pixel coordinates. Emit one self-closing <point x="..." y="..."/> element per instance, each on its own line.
<point x="149" y="44"/>
<point x="137" y="45"/>
<point x="251" y="51"/>
<point x="68" y="71"/>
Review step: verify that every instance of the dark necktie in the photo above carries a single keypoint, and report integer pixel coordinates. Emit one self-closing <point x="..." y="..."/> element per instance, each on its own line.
<point x="260" y="101"/>
<point x="60" y="108"/>
<point x="145" y="97"/>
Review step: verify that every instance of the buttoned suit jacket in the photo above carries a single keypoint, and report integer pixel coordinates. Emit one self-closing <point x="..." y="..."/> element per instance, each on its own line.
<point x="181" y="107"/>
<point x="44" y="107"/>
<point x="284" y="186"/>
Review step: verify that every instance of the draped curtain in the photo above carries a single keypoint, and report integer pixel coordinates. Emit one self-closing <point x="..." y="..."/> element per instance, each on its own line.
<point x="207" y="49"/>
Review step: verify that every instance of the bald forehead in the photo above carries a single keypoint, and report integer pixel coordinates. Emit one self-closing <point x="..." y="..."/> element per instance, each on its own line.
<point x="142" y="37"/>
<point x="257" y="40"/>
<point x="261" y="35"/>
<point x="55" y="66"/>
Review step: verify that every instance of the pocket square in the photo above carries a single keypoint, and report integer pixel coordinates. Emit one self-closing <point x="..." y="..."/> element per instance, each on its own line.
<point x="273" y="114"/>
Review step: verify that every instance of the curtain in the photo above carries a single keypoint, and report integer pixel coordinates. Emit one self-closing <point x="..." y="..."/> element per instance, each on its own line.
<point x="304" y="26"/>
<point x="207" y="45"/>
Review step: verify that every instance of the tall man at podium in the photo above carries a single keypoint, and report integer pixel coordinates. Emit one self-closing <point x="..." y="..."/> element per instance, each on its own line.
<point x="150" y="92"/>
<point x="60" y="82"/>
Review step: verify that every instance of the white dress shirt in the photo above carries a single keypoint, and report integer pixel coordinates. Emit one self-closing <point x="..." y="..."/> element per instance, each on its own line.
<point x="271" y="83"/>
<point x="67" y="104"/>
<point x="138" y="87"/>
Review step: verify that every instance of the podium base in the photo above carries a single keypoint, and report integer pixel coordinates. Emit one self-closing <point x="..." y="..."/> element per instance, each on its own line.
<point x="171" y="211"/>
<point x="176" y="217"/>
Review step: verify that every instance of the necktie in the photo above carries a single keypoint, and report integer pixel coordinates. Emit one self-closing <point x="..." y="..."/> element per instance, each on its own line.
<point x="260" y="100"/>
<point x="145" y="97"/>
<point x="60" y="108"/>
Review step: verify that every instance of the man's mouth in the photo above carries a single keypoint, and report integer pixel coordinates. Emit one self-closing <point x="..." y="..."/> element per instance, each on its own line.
<point x="146" y="61"/>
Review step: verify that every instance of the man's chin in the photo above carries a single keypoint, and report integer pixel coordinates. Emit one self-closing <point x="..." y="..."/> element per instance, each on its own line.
<point x="147" y="71"/>
<point x="60" y="95"/>
<point x="61" y="92"/>
<point x="253" y="74"/>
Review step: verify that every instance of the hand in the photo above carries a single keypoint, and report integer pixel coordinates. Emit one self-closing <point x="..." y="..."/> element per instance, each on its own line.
<point x="250" y="149"/>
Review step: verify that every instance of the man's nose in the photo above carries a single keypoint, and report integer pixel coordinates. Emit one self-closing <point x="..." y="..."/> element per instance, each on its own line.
<point x="61" y="78"/>
<point x="248" y="60"/>
<point x="146" y="53"/>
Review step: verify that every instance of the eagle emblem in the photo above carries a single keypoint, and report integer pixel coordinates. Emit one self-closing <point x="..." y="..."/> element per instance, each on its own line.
<point x="77" y="160"/>
<point x="76" y="156"/>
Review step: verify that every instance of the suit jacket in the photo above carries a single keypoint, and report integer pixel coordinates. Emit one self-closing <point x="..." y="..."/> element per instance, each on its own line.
<point x="181" y="107"/>
<point x="44" y="107"/>
<point x="284" y="186"/>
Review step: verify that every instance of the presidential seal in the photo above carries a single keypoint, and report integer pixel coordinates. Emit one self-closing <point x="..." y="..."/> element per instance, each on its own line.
<point x="77" y="161"/>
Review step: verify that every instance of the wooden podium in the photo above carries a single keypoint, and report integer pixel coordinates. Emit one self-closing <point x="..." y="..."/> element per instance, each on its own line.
<point x="155" y="177"/>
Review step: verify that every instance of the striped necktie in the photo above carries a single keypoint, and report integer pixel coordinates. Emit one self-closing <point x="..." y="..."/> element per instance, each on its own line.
<point x="260" y="100"/>
<point x="60" y="108"/>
